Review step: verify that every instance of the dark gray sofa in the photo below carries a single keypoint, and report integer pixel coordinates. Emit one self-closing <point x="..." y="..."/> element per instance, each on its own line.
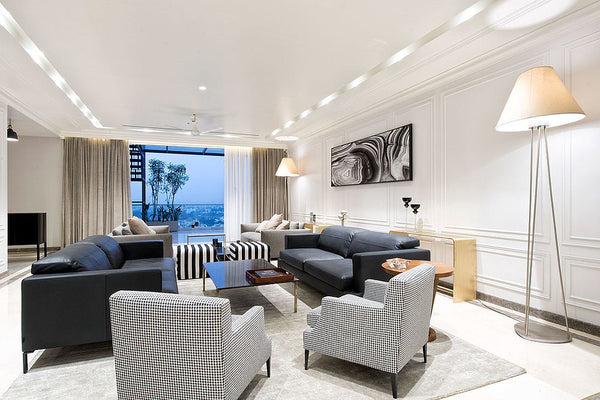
<point x="65" y="301"/>
<point x="340" y="259"/>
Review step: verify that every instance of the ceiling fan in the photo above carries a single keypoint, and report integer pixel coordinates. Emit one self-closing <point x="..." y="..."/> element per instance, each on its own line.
<point x="194" y="131"/>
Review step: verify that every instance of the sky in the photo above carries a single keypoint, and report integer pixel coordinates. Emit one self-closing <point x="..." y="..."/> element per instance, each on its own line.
<point x="205" y="186"/>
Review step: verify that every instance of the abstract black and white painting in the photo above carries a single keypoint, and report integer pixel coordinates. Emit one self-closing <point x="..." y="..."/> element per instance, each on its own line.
<point x="384" y="157"/>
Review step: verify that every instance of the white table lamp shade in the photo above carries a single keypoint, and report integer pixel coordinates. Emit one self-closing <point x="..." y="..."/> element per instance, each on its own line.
<point x="287" y="167"/>
<point x="539" y="98"/>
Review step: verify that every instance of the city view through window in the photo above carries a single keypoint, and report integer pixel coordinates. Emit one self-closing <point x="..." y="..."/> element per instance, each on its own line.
<point x="180" y="187"/>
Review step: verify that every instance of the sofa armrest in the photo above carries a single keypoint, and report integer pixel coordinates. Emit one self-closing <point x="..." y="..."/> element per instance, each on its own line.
<point x="250" y="227"/>
<point x="142" y="249"/>
<point x="368" y="265"/>
<point x="72" y="308"/>
<point x="160" y="229"/>
<point x="302" y="241"/>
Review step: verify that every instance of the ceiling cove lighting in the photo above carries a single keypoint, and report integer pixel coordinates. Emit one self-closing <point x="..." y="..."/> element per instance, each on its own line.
<point x="287" y="138"/>
<point x="202" y="88"/>
<point x="450" y="24"/>
<point x="10" y="24"/>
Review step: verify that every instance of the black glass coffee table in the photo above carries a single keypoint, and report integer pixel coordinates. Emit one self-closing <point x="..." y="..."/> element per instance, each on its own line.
<point x="232" y="275"/>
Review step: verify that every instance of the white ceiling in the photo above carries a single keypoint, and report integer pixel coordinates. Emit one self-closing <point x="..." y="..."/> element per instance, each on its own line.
<point x="140" y="62"/>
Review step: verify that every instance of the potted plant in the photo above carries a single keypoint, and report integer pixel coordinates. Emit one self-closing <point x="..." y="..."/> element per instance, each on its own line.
<point x="167" y="179"/>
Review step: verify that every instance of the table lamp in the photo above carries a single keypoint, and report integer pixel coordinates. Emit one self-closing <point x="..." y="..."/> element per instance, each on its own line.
<point x="539" y="100"/>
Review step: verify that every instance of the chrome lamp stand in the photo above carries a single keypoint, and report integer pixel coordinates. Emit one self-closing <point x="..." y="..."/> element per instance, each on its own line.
<point x="527" y="329"/>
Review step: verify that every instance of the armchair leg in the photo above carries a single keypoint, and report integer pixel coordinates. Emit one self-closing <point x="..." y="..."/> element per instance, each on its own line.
<point x="25" y="363"/>
<point x="269" y="367"/>
<point x="305" y="359"/>
<point x="395" y="385"/>
<point x="425" y="353"/>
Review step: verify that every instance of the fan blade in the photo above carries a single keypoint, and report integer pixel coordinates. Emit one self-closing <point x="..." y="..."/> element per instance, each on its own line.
<point x="154" y="128"/>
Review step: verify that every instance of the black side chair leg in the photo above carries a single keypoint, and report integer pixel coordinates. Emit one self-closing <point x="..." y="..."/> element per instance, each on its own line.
<point x="425" y="353"/>
<point x="305" y="359"/>
<point x="269" y="367"/>
<point x="395" y="385"/>
<point x="25" y="366"/>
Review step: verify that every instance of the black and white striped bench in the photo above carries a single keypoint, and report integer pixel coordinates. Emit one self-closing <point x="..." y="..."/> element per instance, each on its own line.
<point x="249" y="251"/>
<point x="190" y="259"/>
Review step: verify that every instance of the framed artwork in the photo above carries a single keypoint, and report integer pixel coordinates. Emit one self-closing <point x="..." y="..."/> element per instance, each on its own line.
<point x="384" y="157"/>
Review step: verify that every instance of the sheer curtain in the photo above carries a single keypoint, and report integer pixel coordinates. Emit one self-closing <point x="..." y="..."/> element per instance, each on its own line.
<point x="269" y="191"/>
<point x="96" y="187"/>
<point x="238" y="190"/>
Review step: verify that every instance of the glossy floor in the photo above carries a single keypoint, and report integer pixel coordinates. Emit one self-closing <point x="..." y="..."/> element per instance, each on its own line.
<point x="567" y="371"/>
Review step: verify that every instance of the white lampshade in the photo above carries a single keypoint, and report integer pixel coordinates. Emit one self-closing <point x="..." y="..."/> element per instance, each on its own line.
<point x="539" y="98"/>
<point x="287" y="168"/>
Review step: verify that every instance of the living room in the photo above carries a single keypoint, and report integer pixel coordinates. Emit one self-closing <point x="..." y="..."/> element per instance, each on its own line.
<point x="326" y="76"/>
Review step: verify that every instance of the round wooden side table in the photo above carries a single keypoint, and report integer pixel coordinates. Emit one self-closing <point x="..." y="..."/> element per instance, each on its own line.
<point x="441" y="271"/>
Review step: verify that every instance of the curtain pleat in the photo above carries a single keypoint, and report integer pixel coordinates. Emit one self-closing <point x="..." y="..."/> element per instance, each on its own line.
<point x="97" y="187"/>
<point x="238" y="190"/>
<point x="268" y="190"/>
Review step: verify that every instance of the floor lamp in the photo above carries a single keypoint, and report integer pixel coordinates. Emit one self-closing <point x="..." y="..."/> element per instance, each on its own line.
<point x="287" y="168"/>
<point x="539" y="100"/>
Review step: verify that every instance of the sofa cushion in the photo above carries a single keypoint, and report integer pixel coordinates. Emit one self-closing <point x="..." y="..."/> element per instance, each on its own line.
<point x="249" y="236"/>
<point x="165" y="264"/>
<point x="337" y="273"/>
<point x="336" y="239"/>
<point x="76" y="257"/>
<point x="110" y="247"/>
<point x="139" y="227"/>
<point x="298" y="257"/>
<point x="366" y="241"/>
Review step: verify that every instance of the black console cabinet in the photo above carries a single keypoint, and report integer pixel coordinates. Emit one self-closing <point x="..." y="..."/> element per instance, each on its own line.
<point x="27" y="228"/>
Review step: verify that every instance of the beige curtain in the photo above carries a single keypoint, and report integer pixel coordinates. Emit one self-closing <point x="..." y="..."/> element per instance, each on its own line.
<point x="96" y="187"/>
<point x="269" y="192"/>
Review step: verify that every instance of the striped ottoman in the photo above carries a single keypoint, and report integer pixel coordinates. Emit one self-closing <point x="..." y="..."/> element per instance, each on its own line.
<point x="249" y="251"/>
<point x="190" y="259"/>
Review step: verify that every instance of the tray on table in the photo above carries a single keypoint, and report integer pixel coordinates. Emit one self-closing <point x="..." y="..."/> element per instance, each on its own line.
<point x="269" y="275"/>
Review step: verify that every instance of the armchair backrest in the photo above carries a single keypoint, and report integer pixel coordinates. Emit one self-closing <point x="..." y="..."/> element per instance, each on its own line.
<point x="165" y="343"/>
<point x="408" y="302"/>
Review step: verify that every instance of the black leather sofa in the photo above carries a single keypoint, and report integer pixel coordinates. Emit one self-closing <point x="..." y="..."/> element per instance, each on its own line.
<point x="65" y="301"/>
<point x="340" y="259"/>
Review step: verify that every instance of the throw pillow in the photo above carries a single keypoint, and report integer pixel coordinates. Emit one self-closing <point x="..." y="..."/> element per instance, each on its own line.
<point x="283" y="225"/>
<point x="139" y="227"/>
<point x="294" y="225"/>
<point x="127" y="230"/>
<point x="262" y="226"/>
<point x="118" y="231"/>
<point x="275" y="220"/>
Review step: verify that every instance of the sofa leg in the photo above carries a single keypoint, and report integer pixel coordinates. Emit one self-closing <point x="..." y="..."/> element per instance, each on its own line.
<point x="25" y="366"/>
<point x="425" y="353"/>
<point x="395" y="385"/>
<point x="269" y="367"/>
<point x="305" y="359"/>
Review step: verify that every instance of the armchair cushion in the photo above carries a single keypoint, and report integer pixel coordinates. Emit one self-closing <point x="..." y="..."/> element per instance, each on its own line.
<point x="298" y="257"/>
<point x="250" y="236"/>
<point x="337" y="272"/>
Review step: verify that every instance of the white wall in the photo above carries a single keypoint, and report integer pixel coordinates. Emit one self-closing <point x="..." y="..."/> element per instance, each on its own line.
<point x="3" y="218"/>
<point x="35" y="180"/>
<point x="473" y="181"/>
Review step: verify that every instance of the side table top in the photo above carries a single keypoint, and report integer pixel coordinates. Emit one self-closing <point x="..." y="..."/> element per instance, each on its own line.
<point x="441" y="270"/>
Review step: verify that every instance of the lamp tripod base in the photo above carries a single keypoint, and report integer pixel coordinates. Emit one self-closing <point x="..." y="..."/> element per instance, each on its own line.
<point x="542" y="333"/>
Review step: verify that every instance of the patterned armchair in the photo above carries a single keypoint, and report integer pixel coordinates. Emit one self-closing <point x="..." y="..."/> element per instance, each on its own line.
<point x="170" y="346"/>
<point x="382" y="330"/>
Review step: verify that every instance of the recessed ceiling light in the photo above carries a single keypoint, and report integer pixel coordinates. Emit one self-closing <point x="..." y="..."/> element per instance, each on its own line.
<point x="288" y="124"/>
<point x="202" y="88"/>
<point x="287" y="138"/>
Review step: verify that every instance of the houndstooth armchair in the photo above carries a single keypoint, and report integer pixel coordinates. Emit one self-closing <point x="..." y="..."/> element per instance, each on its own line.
<point x="383" y="329"/>
<point x="170" y="346"/>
